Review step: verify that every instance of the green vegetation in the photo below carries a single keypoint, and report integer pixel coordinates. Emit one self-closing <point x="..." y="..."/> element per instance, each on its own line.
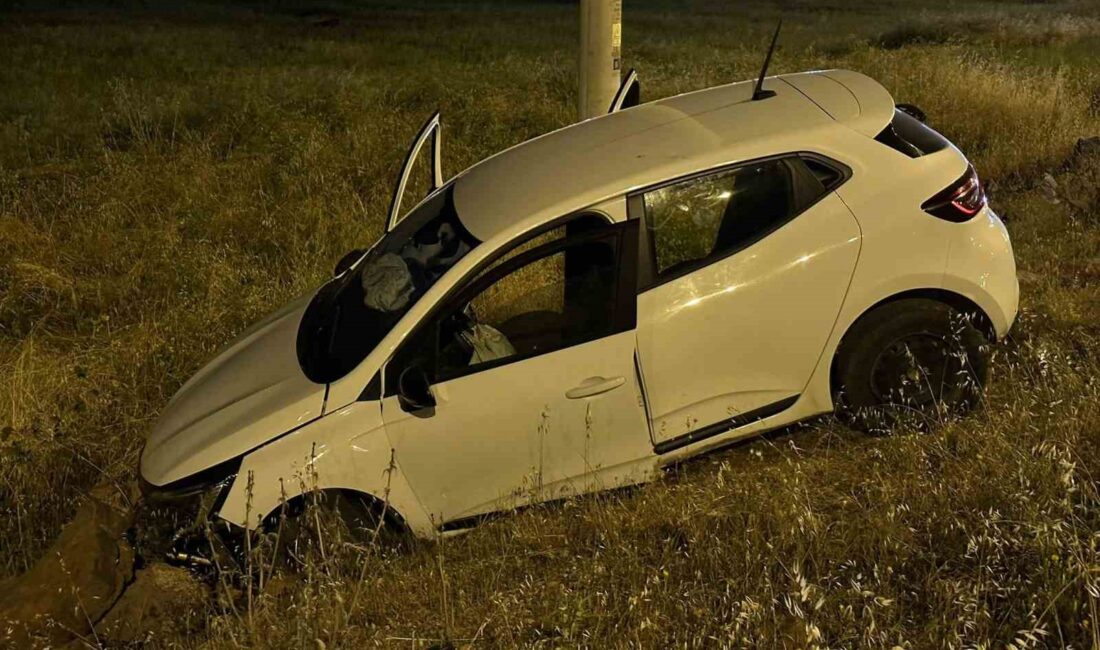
<point x="169" y="176"/>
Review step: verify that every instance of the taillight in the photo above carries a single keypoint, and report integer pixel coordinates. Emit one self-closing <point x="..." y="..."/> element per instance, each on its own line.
<point x="959" y="201"/>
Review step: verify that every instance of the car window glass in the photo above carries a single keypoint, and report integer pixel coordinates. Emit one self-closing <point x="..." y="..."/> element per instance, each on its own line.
<point x="576" y="225"/>
<point x="824" y="174"/>
<point x="710" y="215"/>
<point x="354" y="311"/>
<point x="564" y="298"/>
<point x="910" y="136"/>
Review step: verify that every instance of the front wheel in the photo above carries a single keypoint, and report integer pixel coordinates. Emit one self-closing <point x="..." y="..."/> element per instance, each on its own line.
<point x="912" y="361"/>
<point x="321" y="518"/>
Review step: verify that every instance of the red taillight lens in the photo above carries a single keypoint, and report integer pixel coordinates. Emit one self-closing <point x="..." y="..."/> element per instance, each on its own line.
<point x="959" y="201"/>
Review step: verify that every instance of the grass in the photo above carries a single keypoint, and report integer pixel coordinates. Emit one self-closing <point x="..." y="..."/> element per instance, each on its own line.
<point x="167" y="176"/>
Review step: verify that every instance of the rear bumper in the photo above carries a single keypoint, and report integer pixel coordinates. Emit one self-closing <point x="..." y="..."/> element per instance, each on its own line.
<point x="981" y="266"/>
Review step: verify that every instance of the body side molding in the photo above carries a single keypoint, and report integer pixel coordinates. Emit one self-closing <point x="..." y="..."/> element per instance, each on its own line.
<point x="725" y="425"/>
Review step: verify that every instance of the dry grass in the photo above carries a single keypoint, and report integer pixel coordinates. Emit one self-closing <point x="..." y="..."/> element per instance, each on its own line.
<point x="167" y="179"/>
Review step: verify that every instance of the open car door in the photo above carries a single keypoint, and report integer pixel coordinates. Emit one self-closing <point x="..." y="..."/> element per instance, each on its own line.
<point x="431" y="129"/>
<point x="629" y="93"/>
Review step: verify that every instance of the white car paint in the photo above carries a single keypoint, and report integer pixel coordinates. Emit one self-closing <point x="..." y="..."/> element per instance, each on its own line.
<point x="785" y="289"/>
<point x="553" y="440"/>
<point x="254" y="388"/>
<point x="759" y="327"/>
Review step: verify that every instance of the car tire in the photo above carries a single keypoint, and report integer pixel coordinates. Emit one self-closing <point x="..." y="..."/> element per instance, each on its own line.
<point x="912" y="361"/>
<point x="309" y="520"/>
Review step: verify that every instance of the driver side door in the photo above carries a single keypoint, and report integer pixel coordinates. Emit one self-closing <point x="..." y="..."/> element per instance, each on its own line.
<point x="523" y="384"/>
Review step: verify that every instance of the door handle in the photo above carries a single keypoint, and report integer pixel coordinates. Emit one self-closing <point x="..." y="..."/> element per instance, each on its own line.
<point x="594" y="386"/>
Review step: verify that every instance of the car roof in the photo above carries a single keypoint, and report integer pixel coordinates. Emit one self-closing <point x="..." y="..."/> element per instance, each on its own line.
<point x="585" y="163"/>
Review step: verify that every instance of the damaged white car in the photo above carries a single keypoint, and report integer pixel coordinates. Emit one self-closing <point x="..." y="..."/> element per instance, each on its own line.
<point x="583" y="309"/>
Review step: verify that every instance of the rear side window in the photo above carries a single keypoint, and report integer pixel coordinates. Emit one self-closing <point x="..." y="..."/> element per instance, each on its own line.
<point x="910" y="136"/>
<point x="829" y="177"/>
<point x="708" y="216"/>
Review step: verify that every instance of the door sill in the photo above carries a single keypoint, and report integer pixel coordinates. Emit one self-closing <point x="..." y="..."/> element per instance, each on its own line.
<point x="725" y="425"/>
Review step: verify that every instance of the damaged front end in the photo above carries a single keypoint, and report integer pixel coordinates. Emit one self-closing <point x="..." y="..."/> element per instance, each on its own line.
<point x="181" y="515"/>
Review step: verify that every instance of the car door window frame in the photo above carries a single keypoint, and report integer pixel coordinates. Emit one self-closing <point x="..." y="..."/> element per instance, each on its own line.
<point x="623" y="317"/>
<point x="489" y="271"/>
<point x="807" y="191"/>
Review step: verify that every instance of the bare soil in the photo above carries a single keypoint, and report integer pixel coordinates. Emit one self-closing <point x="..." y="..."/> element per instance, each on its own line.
<point x="92" y="586"/>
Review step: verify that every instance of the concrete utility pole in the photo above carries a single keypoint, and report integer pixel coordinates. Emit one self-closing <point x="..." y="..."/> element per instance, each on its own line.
<point x="600" y="55"/>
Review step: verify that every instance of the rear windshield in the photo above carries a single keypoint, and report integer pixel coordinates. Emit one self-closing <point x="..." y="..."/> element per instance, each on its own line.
<point x="910" y="136"/>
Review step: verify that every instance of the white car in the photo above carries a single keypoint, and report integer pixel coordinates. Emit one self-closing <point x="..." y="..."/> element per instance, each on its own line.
<point x="583" y="309"/>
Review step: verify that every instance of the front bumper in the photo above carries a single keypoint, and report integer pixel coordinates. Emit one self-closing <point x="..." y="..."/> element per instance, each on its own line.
<point x="180" y="517"/>
<point x="220" y="475"/>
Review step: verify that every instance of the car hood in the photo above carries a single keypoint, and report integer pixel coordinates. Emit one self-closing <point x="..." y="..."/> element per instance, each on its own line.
<point x="252" y="391"/>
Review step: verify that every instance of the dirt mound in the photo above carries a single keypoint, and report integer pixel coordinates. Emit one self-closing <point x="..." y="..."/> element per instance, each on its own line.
<point x="76" y="582"/>
<point x="87" y="587"/>
<point x="162" y="601"/>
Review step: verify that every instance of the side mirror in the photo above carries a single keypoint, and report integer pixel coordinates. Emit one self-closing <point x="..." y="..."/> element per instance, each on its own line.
<point x="414" y="392"/>
<point x="346" y="261"/>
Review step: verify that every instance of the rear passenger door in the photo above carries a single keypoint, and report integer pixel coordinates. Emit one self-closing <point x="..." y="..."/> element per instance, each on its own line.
<point x="744" y="270"/>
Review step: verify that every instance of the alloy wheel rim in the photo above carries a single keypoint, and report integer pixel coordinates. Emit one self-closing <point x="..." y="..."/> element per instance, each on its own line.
<point x="915" y="370"/>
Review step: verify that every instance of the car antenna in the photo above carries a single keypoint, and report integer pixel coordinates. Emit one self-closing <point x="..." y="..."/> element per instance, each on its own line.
<point x="759" y="92"/>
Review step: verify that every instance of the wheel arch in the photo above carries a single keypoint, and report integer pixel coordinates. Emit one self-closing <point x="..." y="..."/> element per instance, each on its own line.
<point x="956" y="301"/>
<point x="391" y="517"/>
<point x="347" y="452"/>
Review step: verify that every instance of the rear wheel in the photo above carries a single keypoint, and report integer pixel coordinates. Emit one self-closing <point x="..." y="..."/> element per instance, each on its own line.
<point x="912" y="361"/>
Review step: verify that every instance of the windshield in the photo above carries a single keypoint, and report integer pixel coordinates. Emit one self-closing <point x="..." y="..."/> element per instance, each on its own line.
<point x="351" y="314"/>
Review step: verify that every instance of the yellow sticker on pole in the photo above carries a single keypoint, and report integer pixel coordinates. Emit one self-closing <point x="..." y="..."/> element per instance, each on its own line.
<point x="616" y="33"/>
